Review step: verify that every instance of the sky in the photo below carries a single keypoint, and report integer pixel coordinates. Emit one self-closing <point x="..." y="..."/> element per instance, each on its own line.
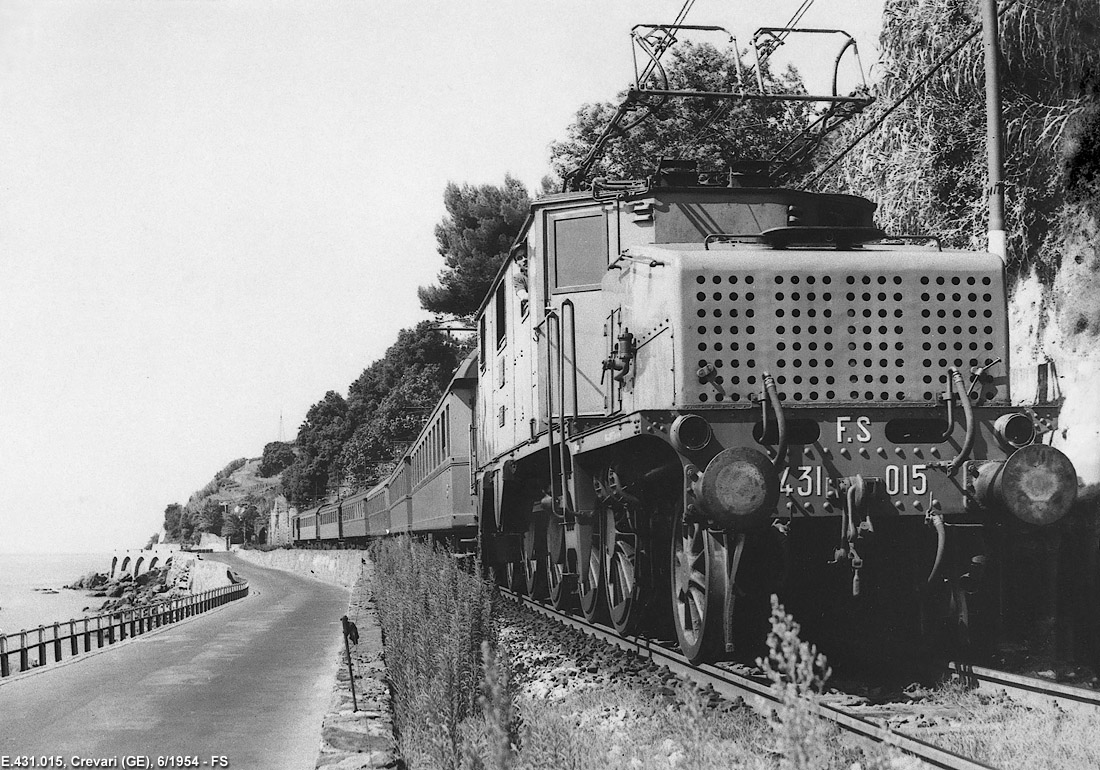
<point x="214" y="211"/>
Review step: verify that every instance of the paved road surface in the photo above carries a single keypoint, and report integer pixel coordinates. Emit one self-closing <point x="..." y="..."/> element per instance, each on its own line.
<point x="250" y="681"/>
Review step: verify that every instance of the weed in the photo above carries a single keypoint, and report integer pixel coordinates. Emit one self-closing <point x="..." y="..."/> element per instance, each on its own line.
<point x="798" y="674"/>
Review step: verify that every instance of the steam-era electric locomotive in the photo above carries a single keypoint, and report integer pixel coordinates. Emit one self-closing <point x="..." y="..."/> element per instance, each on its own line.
<point x="695" y="390"/>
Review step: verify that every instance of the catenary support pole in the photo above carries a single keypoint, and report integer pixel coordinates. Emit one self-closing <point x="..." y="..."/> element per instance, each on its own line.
<point x="994" y="137"/>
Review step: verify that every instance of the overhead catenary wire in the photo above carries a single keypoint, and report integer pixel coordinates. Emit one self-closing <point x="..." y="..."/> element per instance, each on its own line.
<point x="908" y="92"/>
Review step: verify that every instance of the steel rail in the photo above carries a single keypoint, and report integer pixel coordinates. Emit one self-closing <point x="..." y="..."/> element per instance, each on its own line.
<point x="1024" y="687"/>
<point x="754" y="692"/>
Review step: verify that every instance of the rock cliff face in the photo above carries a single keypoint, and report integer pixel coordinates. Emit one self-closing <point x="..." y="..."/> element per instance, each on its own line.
<point x="193" y="574"/>
<point x="1062" y="323"/>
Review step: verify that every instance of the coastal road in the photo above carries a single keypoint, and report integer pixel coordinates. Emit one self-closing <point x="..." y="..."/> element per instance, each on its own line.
<point x="249" y="681"/>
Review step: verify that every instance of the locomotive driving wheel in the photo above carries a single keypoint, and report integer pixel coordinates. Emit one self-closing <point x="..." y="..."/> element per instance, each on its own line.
<point x="636" y="583"/>
<point x="590" y="582"/>
<point x="559" y="583"/>
<point x="698" y="591"/>
<point x="534" y="559"/>
<point x="515" y="578"/>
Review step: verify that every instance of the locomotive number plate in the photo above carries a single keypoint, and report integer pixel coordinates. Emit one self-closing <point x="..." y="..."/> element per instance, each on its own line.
<point x="809" y="480"/>
<point x="803" y="480"/>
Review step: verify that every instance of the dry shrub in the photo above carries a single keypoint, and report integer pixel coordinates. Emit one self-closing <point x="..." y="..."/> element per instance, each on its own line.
<point x="438" y="641"/>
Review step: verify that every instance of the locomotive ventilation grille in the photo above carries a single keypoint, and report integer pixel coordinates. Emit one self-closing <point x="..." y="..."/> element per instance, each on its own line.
<point x="857" y="337"/>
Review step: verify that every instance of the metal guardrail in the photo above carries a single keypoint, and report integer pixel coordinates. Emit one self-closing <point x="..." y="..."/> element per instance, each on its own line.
<point x="96" y="631"/>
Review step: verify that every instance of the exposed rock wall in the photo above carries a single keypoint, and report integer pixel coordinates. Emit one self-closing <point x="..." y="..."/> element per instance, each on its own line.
<point x="1056" y="324"/>
<point x="340" y="568"/>
<point x="193" y="574"/>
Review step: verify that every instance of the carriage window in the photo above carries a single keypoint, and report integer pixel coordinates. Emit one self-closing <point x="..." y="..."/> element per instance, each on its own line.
<point x="481" y="341"/>
<point x="500" y="315"/>
<point x="580" y="251"/>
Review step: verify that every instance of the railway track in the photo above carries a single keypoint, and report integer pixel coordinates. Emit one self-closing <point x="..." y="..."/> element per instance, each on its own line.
<point x="754" y="691"/>
<point x="1024" y="688"/>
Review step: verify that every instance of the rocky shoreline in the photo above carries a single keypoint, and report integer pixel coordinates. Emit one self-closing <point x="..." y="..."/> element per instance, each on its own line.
<point x="180" y="575"/>
<point x="125" y="591"/>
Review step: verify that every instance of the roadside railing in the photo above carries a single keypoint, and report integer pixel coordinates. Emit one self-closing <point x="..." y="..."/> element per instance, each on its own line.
<point x="96" y="631"/>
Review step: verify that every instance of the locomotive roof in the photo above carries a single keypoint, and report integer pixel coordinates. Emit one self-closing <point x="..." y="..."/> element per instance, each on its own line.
<point x="649" y="189"/>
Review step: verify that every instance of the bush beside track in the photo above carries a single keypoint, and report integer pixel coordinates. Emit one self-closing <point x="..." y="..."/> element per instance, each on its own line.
<point x="479" y="682"/>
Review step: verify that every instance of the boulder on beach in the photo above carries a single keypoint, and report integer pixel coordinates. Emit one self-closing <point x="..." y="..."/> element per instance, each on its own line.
<point x="89" y="581"/>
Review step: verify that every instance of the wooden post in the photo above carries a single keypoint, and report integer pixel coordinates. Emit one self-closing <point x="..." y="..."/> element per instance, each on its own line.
<point x="351" y="672"/>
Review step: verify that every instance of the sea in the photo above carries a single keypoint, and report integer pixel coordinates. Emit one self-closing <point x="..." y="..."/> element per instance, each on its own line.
<point x="32" y="591"/>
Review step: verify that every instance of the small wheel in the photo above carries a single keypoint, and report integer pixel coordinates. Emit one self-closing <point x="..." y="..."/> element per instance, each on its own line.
<point x="698" y="592"/>
<point x="559" y="583"/>
<point x="590" y="582"/>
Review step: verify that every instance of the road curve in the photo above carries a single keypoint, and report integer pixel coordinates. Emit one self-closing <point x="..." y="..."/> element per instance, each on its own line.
<point x="249" y="681"/>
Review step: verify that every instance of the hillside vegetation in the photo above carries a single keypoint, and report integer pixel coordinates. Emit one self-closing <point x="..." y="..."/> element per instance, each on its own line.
<point x="235" y="504"/>
<point x="925" y="167"/>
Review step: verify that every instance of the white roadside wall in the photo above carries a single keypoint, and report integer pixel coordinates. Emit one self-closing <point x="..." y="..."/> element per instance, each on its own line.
<point x="340" y="568"/>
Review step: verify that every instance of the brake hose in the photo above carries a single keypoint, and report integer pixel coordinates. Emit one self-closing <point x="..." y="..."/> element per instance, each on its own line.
<point x="780" y="420"/>
<point x="971" y="426"/>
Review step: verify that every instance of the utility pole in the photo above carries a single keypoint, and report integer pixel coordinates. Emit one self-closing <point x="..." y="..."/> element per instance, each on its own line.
<point x="993" y="134"/>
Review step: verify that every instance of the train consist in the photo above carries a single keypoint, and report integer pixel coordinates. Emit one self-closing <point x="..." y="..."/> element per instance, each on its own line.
<point x="695" y="390"/>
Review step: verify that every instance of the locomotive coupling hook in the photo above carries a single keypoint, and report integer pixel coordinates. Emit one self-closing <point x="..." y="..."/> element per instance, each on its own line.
<point x="936" y="520"/>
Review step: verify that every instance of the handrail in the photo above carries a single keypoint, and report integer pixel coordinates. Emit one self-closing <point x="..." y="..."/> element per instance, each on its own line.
<point x="573" y="351"/>
<point x="549" y="315"/>
<point x="120" y="624"/>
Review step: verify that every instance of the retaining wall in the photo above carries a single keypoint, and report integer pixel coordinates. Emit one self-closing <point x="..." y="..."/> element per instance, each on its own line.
<point x="191" y="573"/>
<point x="340" y="568"/>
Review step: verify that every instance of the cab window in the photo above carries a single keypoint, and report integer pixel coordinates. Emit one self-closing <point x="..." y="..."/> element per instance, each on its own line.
<point x="579" y="246"/>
